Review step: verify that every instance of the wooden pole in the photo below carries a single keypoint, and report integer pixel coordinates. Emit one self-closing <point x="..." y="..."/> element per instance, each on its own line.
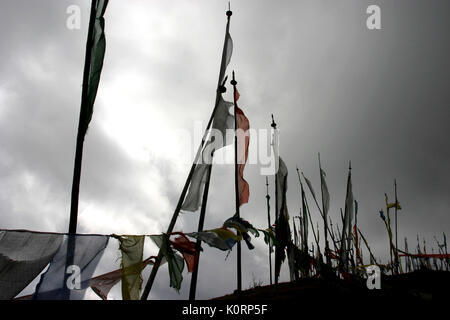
<point x="73" y="219"/>
<point x="274" y="126"/>
<point x="367" y="246"/>
<point x="388" y="226"/>
<point x="193" y="287"/>
<point x="269" y="226"/>
<point x="81" y="132"/>
<point x="396" y="230"/>
<point x="236" y="185"/>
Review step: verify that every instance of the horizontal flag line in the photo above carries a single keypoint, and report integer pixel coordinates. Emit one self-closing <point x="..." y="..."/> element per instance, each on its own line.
<point x="97" y="234"/>
<point x="113" y="235"/>
<point x="58" y="233"/>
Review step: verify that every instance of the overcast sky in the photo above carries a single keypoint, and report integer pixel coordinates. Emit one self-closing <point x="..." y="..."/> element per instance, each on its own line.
<point x="379" y="98"/>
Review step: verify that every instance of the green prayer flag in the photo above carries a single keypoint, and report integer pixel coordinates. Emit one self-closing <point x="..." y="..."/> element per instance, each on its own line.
<point x="174" y="260"/>
<point x="97" y="54"/>
<point x="132" y="248"/>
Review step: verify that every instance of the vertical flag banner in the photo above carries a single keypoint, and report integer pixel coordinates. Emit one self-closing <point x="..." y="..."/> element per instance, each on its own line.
<point x="325" y="193"/>
<point x="305" y="219"/>
<point x="282" y="230"/>
<point x="226" y="53"/>
<point x="194" y="196"/>
<point x="98" y="46"/>
<point x="223" y="120"/>
<point x="310" y="187"/>
<point x="243" y="141"/>
<point x="95" y="53"/>
<point x="346" y="228"/>
<point x="23" y="255"/>
<point x="62" y="280"/>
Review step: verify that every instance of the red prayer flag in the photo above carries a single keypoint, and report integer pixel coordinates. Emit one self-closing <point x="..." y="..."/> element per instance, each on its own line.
<point x="187" y="249"/>
<point x="243" y="140"/>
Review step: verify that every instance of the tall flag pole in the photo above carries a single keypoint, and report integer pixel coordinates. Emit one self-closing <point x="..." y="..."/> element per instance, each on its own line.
<point x="236" y="184"/>
<point x="274" y="126"/>
<point x="269" y="226"/>
<point x="389" y="230"/>
<point x="355" y="234"/>
<point x="282" y="228"/>
<point x="325" y="206"/>
<point x="226" y="55"/>
<point x="95" y="52"/>
<point x="396" y="229"/>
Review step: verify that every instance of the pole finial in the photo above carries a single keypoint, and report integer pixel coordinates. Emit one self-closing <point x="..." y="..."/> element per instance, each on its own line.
<point x="229" y="12"/>
<point x="233" y="81"/>
<point x="273" y="125"/>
